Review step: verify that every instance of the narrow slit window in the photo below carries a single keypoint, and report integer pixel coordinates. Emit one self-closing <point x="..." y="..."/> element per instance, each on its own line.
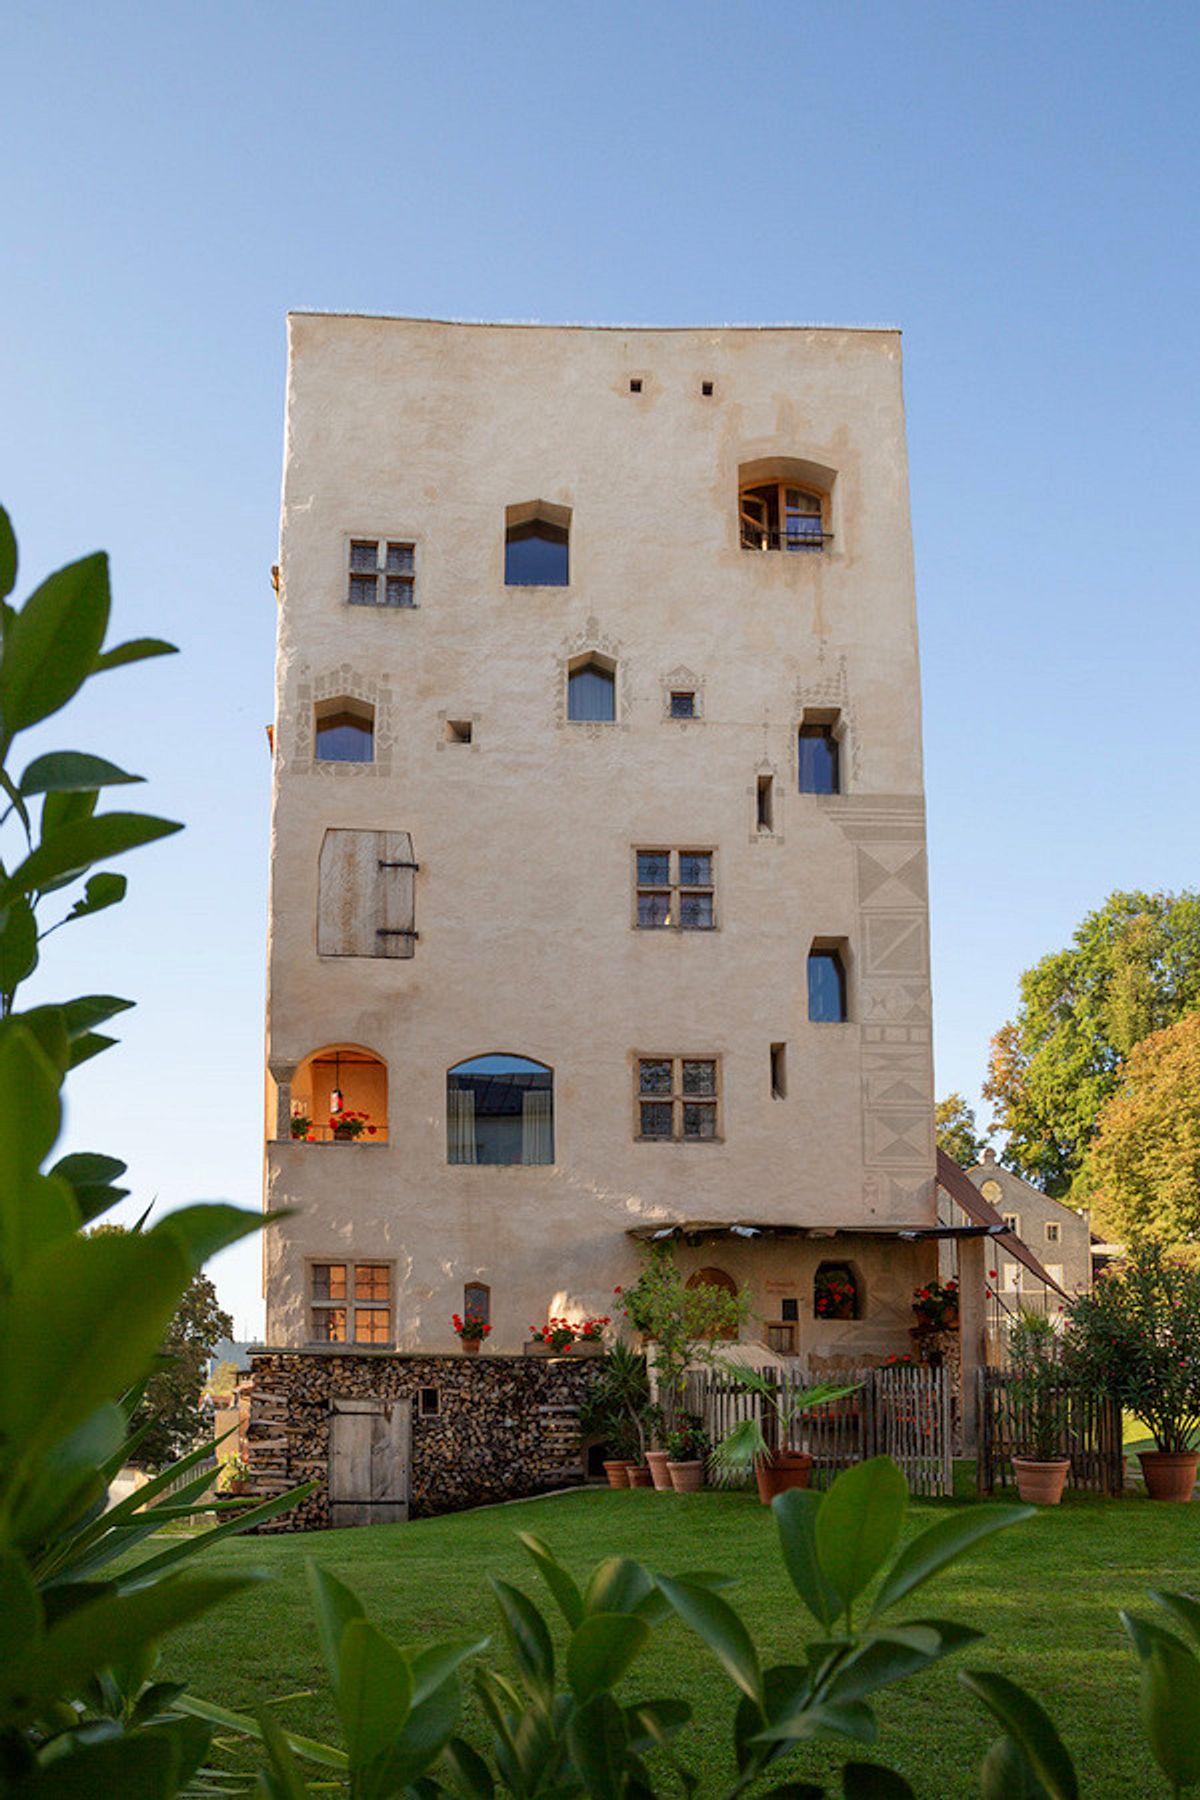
<point x="765" y="813"/>
<point x="819" y="760"/>
<point x="778" y="1071"/>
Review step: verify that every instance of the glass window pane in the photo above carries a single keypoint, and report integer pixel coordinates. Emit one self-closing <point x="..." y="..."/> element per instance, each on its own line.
<point x="826" y="987"/>
<point x="694" y="871"/>
<point x="818" y="760"/>
<point x="535" y="555"/>
<point x="656" y="1118"/>
<point x="345" y="739"/>
<point x="654" y="1077"/>
<point x="653" y="868"/>
<point x="329" y="1324"/>
<point x="699" y="1077"/>
<point x="654" y="909"/>
<point x="364" y="555"/>
<point x="364" y="590"/>
<point x="592" y="694"/>
<point x="695" y="911"/>
<point x="477" y="1302"/>
<point x="699" y="1120"/>
<point x="372" y="1281"/>
<point x="797" y="501"/>
<point x="329" y="1281"/>
<point x="399" y="559"/>
<point x="399" y="591"/>
<point x="683" y="706"/>
<point x="372" y="1325"/>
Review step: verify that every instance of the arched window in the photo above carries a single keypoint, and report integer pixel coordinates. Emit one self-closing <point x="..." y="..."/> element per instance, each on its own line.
<point x="500" y="1109"/>
<point x="826" y="986"/>
<point x="837" y="1293"/>
<point x="477" y="1302"/>
<point x="345" y="731"/>
<point x="592" y="690"/>
<point x="783" y="504"/>
<point x="339" y="1095"/>
<point x="537" y="545"/>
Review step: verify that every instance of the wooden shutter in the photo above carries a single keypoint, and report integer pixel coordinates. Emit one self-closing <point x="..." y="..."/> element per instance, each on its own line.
<point x="366" y="894"/>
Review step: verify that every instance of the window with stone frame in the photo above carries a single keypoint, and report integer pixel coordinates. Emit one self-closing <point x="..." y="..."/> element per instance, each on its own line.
<point x="675" y="890"/>
<point x="383" y="572"/>
<point x="1053" y="1231"/>
<point x="350" y="1303"/>
<point x="677" y="1099"/>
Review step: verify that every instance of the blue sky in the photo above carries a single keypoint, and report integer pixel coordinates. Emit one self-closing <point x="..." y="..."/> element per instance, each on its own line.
<point x="1015" y="186"/>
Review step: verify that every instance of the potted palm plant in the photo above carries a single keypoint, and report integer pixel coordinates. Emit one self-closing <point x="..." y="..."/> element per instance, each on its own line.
<point x="762" y="1442"/>
<point x="1136" y="1336"/>
<point x="619" y="1411"/>
<point x="1038" y="1392"/>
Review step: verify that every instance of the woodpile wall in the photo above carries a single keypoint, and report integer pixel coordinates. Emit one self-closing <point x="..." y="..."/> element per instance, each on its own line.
<point x="500" y="1428"/>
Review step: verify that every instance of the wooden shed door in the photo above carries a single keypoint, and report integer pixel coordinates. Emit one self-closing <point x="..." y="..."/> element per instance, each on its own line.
<point x="367" y="896"/>
<point x="369" y="1460"/>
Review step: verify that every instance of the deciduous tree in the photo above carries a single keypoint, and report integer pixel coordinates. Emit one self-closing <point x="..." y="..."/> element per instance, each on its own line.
<point x="1132" y="968"/>
<point x="1142" y="1174"/>
<point x="954" y="1124"/>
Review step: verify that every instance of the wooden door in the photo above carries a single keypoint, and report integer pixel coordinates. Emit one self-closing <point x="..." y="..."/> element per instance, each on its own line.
<point x="369" y="1461"/>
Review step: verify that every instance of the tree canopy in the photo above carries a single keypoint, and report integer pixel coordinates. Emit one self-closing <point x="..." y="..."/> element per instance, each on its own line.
<point x="1142" y="1174"/>
<point x="954" y="1127"/>
<point x="1132" y="968"/>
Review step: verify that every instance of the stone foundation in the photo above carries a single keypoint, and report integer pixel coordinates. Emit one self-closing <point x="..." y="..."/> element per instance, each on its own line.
<point x="505" y="1427"/>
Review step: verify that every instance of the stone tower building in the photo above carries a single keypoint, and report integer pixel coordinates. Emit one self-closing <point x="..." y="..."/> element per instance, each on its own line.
<point x="598" y="904"/>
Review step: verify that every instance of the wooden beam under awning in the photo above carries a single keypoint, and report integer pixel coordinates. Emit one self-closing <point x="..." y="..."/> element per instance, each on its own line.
<point x="958" y="1184"/>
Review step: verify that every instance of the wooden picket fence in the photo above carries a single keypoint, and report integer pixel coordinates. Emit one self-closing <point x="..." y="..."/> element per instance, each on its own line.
<point x="903" y="1411"/>
<point x="1089" y="1432"/>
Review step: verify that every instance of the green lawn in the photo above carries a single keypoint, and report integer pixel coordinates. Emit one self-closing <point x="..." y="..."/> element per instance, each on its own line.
<point x="1046" y="1592"/>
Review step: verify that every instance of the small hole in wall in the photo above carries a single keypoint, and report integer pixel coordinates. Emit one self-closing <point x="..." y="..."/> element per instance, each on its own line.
<point x="458" y="731"/>
<point x="635" y="386"/>
<point x="706" y="388"/>
<point x="431" y="1403"/>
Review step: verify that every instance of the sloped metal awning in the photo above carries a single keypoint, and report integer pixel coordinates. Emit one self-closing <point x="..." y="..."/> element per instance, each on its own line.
<point x="750" y="1228"/>
<point x="958" y="1184"/>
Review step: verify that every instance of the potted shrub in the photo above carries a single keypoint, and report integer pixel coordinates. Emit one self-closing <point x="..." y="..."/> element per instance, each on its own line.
<point x="470" y="1333"/>
<point x="762" y="1442"/>
<point x="618" y="1410"/>
<point x="687" y="1446"/>
<point x="936" y="1306"/>
<point x="346" y="1125"/>
<point x="1038" y="1392"/>
<point x="1137" y="1337"/>
<point x="233" y="1477"/>
<point x="301" y="1127"/>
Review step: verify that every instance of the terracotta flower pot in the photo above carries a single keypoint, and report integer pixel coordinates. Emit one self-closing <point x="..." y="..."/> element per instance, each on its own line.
<point x="660" y="1475"/>
<point x="639" y="1475"/>
<point x="785" y="1469"/>
<point x="1041" y="1483"/>
<point x="1169" y="1475"/>
<point x="618" y="1474"/>
<point x="470" y="1346"/>
<point x="686" y="1477"/>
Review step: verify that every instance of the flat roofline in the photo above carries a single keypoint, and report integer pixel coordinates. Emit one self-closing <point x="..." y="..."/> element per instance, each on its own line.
<point x="748" y="1229"/>
<point x="314" y="312"/>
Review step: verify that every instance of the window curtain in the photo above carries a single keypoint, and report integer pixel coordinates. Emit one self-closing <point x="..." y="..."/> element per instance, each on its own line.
<point x="591" y="694"/>
<point x="537" y="1126"/>
<point x="460" y="1124"/>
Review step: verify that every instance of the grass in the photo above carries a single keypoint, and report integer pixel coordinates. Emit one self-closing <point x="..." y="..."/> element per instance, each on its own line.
<point x="1046" y="1592"/>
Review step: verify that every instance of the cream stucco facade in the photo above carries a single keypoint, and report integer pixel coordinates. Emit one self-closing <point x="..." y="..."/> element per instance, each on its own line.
<point x="525" y="833"/>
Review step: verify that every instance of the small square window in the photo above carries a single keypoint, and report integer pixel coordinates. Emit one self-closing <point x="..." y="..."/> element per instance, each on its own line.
<point x="683" y="704"/>
<point x="350" y="1303"/>
<point x="382" y="573"/>
<point x="1012" y="1222"/>
<point x="635" y="385"/>
<point x="1053" y="1233"/>
<point x="706" y="388"/>
<point x="781" y="1339"/>
<point x="687" y="1110"/>
<point x="458" y="731"/>
<point x="675" y="888"/>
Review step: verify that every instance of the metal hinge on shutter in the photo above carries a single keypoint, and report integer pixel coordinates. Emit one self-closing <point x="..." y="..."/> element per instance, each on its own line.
<point x="395" y="931"/>
<point x="398" y="865"/>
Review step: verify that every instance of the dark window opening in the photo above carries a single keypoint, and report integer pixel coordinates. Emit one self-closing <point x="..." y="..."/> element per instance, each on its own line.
<point x="826" y="987"/>
<point x="683" y="705"/>
<point x="500" y="1110"/>
<point x="819" y="760"/>
<point x="635" y="386"/>
<point x="458" y="731"/>
<point x="789" y="1311"/>
<point x="706" y="388"/>
<point x="431" y="1403"/>
<point x="536" y="554"/>
<point x="592" y="694"/>
<point x="765" y="803"/>
<point x="778" y="1071"/>
<point x="345" y="736"/>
